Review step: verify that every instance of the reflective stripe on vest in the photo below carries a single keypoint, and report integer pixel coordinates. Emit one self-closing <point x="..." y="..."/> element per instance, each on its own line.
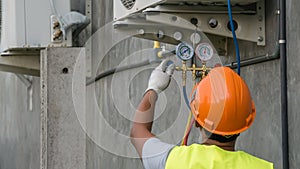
<point x="199" y="156"/>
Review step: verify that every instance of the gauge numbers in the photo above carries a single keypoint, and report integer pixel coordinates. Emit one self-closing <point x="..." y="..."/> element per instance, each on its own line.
<point x="184" y="51"/>
<point x="204" y="51"/>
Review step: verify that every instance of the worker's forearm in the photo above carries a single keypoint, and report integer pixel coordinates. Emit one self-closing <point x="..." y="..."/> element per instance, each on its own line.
<point x="143" y="119"/>
<point x="144" y="115"/>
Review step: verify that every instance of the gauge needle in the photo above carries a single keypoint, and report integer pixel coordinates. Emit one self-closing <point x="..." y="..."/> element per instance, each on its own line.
<point x="185" y="50"/>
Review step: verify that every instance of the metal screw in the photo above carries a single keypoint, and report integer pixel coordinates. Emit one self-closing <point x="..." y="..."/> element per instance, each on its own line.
<point x="213" y="23"/>
<point x="177" y="35"/>
<point x="160" y="34"/>
<point x="260" y="38"/>
<point x="195" y="38"/>
<point x="174" y="18"/>
<point x="141" y="31"/>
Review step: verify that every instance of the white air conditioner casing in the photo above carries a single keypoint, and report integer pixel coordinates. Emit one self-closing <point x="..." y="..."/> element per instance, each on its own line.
<point x="27" y="23"/>
<point x="124" y="8"/>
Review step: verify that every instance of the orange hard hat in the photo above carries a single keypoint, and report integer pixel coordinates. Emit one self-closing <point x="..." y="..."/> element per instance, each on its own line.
<point x="222" y="103"/>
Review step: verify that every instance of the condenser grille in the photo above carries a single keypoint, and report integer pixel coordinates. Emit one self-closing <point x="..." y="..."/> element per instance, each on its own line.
<point x="128" y="3"/>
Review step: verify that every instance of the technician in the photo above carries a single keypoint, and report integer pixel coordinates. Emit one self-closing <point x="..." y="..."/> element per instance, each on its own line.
<point x="223" y="108"/>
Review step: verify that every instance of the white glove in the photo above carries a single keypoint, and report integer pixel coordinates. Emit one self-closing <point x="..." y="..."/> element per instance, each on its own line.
<point x="161" y="77"/>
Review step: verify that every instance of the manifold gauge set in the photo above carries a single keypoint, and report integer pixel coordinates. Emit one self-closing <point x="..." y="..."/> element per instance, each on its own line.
<point x="203" y="51"/>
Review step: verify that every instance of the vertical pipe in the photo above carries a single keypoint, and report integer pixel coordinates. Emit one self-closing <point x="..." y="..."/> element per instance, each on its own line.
<point x="284" y="101"/>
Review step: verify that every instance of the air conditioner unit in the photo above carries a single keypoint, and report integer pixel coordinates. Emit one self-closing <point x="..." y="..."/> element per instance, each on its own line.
<point x="31" y="24"/>
<point x="125" y="8"/>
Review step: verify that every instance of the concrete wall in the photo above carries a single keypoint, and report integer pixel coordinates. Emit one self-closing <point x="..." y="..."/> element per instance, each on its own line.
<point x="19" y="127"/>
<point x="293" y="50"/>
<point x="62" y="137"/>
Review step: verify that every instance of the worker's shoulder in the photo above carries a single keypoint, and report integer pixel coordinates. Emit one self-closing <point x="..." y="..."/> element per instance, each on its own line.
<point x="259" y="162"/>
<point x="215" y="153"/>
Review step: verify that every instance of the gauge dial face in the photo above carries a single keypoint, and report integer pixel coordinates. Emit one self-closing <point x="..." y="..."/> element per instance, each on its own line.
<point x="204" y="51"/>
<point x="184" y="51"/>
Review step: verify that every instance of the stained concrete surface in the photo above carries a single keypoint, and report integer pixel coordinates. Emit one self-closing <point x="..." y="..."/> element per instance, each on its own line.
<point x="19" y="127"/>
<point x="62" y="137"/>
<point x="293" y="60"/>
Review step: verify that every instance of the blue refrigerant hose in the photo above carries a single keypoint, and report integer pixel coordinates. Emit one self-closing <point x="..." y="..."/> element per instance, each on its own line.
<point x="238" y="58"/>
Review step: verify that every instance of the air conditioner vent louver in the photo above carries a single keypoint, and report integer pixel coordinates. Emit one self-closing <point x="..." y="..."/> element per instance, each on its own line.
<point x="128" y="3"/>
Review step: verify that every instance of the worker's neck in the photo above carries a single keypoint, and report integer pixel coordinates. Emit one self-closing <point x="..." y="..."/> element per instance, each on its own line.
<point x="226" y="146"/>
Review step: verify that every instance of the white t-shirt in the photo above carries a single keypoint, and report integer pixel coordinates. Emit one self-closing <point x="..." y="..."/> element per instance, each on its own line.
<point x="155" y="153"/>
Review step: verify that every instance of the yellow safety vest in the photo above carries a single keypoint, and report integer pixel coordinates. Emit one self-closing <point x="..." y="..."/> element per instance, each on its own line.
<point x="199" y="156"/>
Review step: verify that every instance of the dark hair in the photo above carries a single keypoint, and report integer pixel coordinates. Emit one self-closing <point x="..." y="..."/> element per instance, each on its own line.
<point x="220" y="138"/>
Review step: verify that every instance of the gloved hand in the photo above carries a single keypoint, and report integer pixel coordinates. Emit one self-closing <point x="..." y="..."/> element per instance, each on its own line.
<point x="161" y="76"/>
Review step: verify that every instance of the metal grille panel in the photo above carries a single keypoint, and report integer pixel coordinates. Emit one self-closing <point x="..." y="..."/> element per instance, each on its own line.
<point x="128" y="3"/>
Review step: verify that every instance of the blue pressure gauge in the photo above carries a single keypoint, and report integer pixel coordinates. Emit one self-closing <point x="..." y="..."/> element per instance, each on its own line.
<point x="204" y="51"/>
<point x="184" y="51"/>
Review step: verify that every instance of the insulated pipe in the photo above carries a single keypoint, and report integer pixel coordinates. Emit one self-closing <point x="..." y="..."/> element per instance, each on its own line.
<point x="118" y="69"/>
<point x="284" y="101"/>
<point x="257" y="59"/>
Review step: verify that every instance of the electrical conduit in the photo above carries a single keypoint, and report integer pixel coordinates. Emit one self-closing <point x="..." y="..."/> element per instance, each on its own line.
<point x="284" y="100"/>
